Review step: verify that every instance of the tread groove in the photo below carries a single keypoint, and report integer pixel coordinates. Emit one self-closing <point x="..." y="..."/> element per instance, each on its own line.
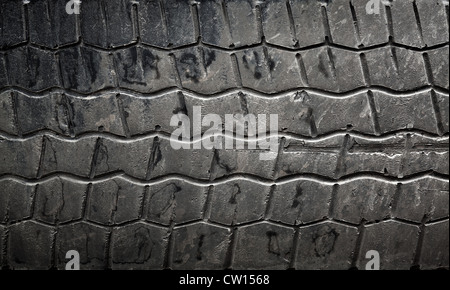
<point x="374" y="113"/>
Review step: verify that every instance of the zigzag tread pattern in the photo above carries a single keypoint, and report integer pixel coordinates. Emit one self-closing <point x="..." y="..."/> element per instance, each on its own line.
<point x="87" y="164"/>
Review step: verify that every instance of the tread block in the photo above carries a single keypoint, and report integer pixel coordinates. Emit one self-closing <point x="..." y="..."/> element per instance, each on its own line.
<point x="443" y="105"/>
<point x="300" y="202"/>
<point x="439" y="66"/>
<point x="268" y="70"/>
<point x="50" y="25"/>
<point x="430" y="13"/>
<point x="67" y="156"/>
<point x="435" y="246"/>
<point x="59" y="200"/>
<point x="234" y="161"/>
<point x="276" y="23"/>
<point x="95" y="114"/>
<point x="160" y="23"/>
<point x="263" y="246"/>
<point x="3" y="72"/>
<point x="373" y="28"/>
<point x="11" y="23"/>
<point x="405" y="24"/>
<point x="243" y="21"/>
<point x="426" y="197"/>
<point x="114" y="201"/>
<point x="15" y="201"/>
<point x="174" y="201"/>
<point x="144" y="70"/>
<point x="205" y="70"/>
<point x="396" y="68"/>
<point x="395" y="241"/>
<point x="164" y="160"/>
<point x="32" y="68"/>
<point x="48" y="112"/>
<point x="308" y="20"/>
<point x="86" y="239"/>
<point x="326" y="246"/>
<point x="342" y="27"/>
<point x="367" y="200"/>
<point x="7" y="115"/>
<point x="200" y="246"/>
<point x="139" y="247"/>
<point x="150" y="114"/>
<point x="20" y="157"/>
<point x="30" y="246"/>
<point x="231" y="202"/>
<point x="213" y="23"/>
<point x="129" y="157"/>
<point x="85" y="70"/>
<point x="108" y="23"/>
<point x="411" y="112"/>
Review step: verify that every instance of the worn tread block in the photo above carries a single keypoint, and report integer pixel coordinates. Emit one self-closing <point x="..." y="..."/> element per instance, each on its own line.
<point x="325" y="246"/>
<point x="367" y="199"/>
<point x="195" y="163"/>
<point x="85" y="70"/>
<point x="174" y="201"/>
<point x="20" y="157"/>
<point x="59" y="200"/>
<point x="129" y="157"/>
<point x="242" y="14"/>
<point x="179" y="12"/>
<point x="138" y="246"/>
<point x="29" y="246"/>
<point x="144" y="70"/>
<point x="276" y="25"/>
<point x="395" y="241"/>
<point x="426" y="197"/>
<point x="430" y="13"/>
<point x="383" y="156"/>
<point x="32" y="68"/>
<point x="200" y="246"/>
<point x="205" y="70"/>
<point x="396" y="68"/>
<point x="15" y="201"/>
<point x="263" y="246"/>
<point x="435" y="247"/>
<point x="47" y="112"/>
<point x="405" y="25"/>
<point x="269" y="70"/>
<point x="300" y="202"/>
<point x="232" y="202"/>
<point x="7" y="114"/>
<point x="73" y="157"/>
<point x="11" y="23"/>
<point x="342" y="28"/>
<point x="373" y="28"/>
<point x="406" y="112"/>
<point x="86" y="239"/>
<point x="307" y="16"/>
<point x="107" y="23"/>
<point x="50" y="25"/>
<point x="304" y="158"/>
<point x="213" y="24"/>
<point x="96" y="114"/>
<point x="114" y="201"/>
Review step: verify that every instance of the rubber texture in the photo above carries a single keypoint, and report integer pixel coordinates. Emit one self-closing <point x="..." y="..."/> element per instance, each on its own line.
<point x="86" y="163"/>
